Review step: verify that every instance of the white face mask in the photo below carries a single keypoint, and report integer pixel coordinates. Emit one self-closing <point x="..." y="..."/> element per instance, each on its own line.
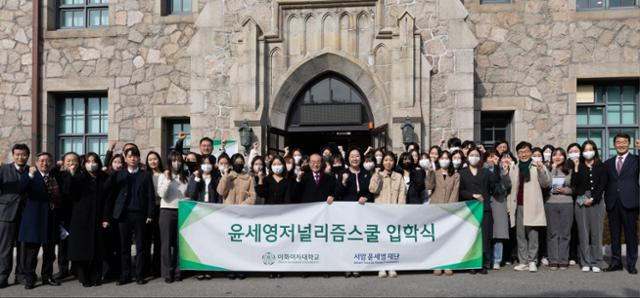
<point x="206" y="167"/>
<point x="369" y="166"/>
<point x="444" y="163"/>
<point x="456" y="163"/>
<point x="176" y="165"/>
<point x="277" y="169"/>
<point x="424" y="163"/>
<point x="91" y="167"/>
<point x="378" y="159"/>
<point x="536" y="158"/>
<point x="297" y="159"/>
<point x="574" y="156"/>
<point x="223" y="168"/>
<point x="589" y="155"/>
<point x="474" y="160"/>
<point x="547" y="156"/>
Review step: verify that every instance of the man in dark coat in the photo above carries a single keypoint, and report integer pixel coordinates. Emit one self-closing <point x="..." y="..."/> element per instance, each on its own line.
<point x="38" y="224"/>
<point x="315" y="186"/>
<point x="10" y="201"/>
<point x="132" y="205"/>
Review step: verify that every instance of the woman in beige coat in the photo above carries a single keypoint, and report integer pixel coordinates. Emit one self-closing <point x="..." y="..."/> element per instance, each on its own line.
<point x="388" y="187"/>
<point x="525" y="204"/>
<point x="236" y="187"/>
<point x="444" y="184"/>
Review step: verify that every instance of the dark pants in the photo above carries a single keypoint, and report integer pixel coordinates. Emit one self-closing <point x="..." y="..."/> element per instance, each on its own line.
<point x="111" y="259"/>
<point x="8" y="233"/>
<point x="88" y="272"/>
<point x="30" y="260"/>
<point x="169" y="239"/>
<point x="63" y="246"/>
<point x="487" y="237"/>
<point x="620" y="219"/>
<point x="154" y="245"/>
<point x="132" y="221"/>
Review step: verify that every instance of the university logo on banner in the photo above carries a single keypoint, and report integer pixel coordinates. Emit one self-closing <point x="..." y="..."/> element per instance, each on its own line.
<point x="344" y="236"/>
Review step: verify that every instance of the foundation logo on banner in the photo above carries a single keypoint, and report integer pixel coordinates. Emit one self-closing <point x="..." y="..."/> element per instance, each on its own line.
<point x="268" y="258"/>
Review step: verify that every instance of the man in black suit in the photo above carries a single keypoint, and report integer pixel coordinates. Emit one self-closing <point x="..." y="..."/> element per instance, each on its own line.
<point x="622" y="201"/>
<point x="132" y="206"/>
<point x="10" y="201"/>
<point x="315" y="186"/>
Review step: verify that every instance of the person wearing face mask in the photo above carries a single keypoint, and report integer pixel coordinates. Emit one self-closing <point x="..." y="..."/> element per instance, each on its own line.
<point x="236" y="187"/>
<point x="387" y="187"/>
<point x="378" y="156"/>
<point x="444" y="184"/>
<point x="589" y="181"/>
<point x="369" y="163"/>
<point x="414" y="180"/>
<point x="424" y="165"/>
<point x="476" y="183"/>
<point x="172" y="186"/>
<point x="458" y="161"/>
<point x="224" y="165"/>
<point x="156" y="167"/>
<point x="297" y="156"/>
<point x="526" y="205"/>
<point x="191" y="162"/>
<point x="327" y="153"/>
<point x="559" y="209"/>
<point x="258" y="172"/>
<point x="85" y="188"/>
<point x="547" y="152"/>
<point x="537" y="156"/>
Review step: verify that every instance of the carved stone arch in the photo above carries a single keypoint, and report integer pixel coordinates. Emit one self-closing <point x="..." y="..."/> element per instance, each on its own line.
<point x="329" y="61"/>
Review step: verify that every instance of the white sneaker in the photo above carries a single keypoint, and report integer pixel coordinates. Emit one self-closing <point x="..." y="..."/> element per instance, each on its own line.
<point x="595" y="269"/>
<point x="496" y="266"/>
<point x="393" y="274"/>
<point x="521" y="267"/>
<point x="545" y="261"/>
<point x="533" y="267"/>
<point x="572" y="262"/>
<point x="382" y="274"/>
<point x="585" y="269"/>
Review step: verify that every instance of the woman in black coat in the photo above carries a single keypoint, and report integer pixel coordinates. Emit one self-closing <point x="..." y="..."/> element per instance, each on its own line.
<point x="413" y="179"/>
<point x="86" y="191"/>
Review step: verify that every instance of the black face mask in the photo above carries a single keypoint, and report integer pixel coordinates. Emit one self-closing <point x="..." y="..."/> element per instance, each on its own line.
<point x="406" y="165"/>
<point x="337" y="169"/>
<point x="191" y="166"/>
<point x="238" y="168"/>
<point x="326" y="157"/>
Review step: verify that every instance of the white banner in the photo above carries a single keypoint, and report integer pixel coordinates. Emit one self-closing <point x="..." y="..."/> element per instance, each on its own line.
<point x="344" y="236"/>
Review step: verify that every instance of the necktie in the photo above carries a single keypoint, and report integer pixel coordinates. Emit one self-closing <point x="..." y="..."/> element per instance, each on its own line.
<point x="316" y="176"/>
<point x="46" y="183"/>
<point x="619" y="165"/>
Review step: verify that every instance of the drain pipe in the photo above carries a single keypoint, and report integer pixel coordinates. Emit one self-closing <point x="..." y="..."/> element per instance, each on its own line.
<point x="35" y="79"/>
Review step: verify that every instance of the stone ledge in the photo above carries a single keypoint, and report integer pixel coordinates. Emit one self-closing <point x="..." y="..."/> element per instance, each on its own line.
<point x="80" y="33"/>
<point x="606" y="14"/>
<point x="175" y="19"/>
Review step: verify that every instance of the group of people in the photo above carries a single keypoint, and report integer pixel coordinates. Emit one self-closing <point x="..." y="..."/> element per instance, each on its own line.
<point x="534" y="201"/>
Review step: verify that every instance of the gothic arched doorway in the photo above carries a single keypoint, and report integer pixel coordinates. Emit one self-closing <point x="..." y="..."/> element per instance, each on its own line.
<point x="328" y="111"/>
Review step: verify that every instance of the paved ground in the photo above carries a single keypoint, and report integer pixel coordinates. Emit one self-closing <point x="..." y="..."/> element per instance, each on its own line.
<point x="505" y="282"/>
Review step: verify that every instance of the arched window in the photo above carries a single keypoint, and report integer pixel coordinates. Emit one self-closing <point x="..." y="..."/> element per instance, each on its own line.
<point x="329" y="102"/>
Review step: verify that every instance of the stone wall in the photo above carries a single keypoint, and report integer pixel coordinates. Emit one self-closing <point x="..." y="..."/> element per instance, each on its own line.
<point x="531" y="54"/>
<point x="15" y="74"/>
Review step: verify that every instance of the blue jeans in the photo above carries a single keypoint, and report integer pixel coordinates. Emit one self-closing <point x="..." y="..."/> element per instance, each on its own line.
<point x="497" y="251"/>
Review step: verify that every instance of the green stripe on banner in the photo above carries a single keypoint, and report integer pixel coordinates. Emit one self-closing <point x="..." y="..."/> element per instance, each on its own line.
<point x="472" y="214"/>
<point x="471" y="264"/>
<point x="184" y="210"/>
<point x="473" y="258"/>
<point x="190" y="212"/>
<point x="188" y="265"/>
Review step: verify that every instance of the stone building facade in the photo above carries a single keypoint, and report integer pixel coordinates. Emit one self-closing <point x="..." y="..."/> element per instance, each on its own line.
<point x="441" y="66"/>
